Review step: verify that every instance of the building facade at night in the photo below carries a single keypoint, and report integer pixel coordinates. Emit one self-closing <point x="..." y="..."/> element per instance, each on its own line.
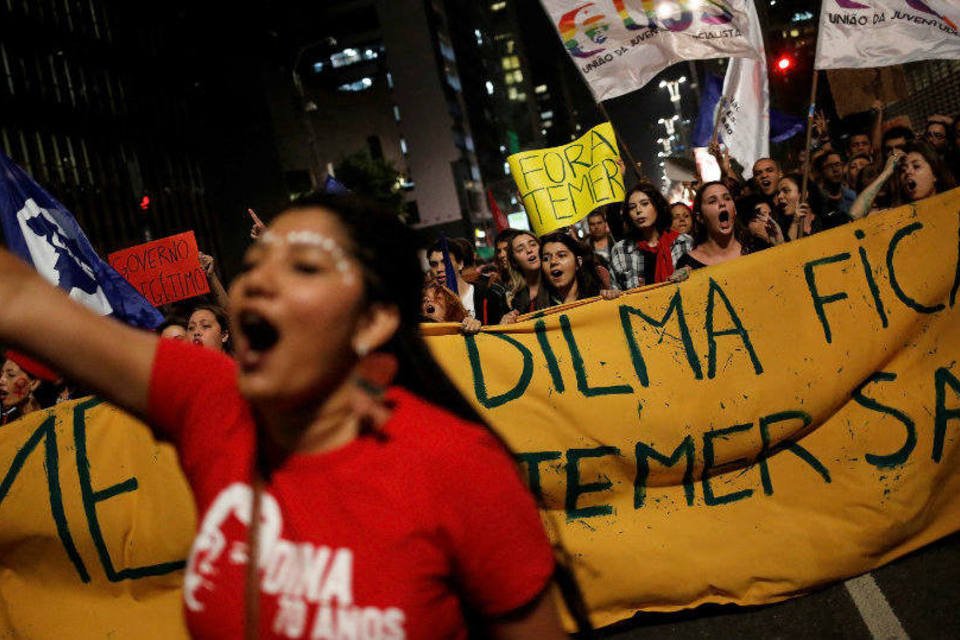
<point x="123" y="112"/>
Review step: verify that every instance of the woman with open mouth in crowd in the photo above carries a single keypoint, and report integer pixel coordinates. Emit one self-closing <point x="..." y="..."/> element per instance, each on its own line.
<point x="755" y="215"/>
<point x="922" y="174"/>
<point x="209" y="327"/>
<point x="798" y="219"/>
<point x="650" y="250"/>
<point x="569" y="270"/>
<point x="715" y="240"/>
<point x="400" y="514"/>
<point x="19" y="380"/>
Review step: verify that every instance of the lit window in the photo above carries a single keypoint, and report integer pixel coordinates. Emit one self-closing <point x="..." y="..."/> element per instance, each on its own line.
<point x="498" y="6"/>
<point x="389" y="80"/>
<point x="517" y="76"/>
<point x="794" y="33"/>
<point x="403" y="146"/>
<point x="489" y="86"/>
<point x="547" y="124"/>
<point x="344" y="58"/>
<point x="360" y="85"/>
<point x="396" y="113"/>
<point x="540" y="88"/>
<point x="317" y="67"/>
<point x="546" y="115"/>
<point x="506" y="168"/>
<point x="479" y="36"/>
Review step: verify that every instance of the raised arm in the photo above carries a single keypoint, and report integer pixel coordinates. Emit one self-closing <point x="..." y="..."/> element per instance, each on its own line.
<point x="864" y="202"/>
<point x="100" y="353"/>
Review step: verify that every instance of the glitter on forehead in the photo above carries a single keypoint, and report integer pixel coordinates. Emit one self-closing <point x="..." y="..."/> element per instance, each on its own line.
<point x="313" y="239"/>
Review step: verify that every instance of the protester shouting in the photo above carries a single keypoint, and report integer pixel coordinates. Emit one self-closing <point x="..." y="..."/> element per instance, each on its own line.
<point x="209" y="326"/>
<point x="297" y="448"/>
<point x="569" y="270"/>
<point x="715" y="239"/>
<point x="531" y="295"/>
<point x="766" y="175"/>
<point x="755" y="214"/>
<point x="798" y="218"/>
<point x="440" y="304"/>
<point x="20" y="380"/>
<point x="650" y="250"/>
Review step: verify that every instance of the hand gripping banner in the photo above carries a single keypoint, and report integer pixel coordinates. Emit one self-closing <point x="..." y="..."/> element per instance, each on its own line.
<point x="776" y="423"/>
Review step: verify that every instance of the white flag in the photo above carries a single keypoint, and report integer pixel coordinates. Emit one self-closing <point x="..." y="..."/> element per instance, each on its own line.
<point x="745" y="111"/>
<point x="856" y="34"/>
<point x="620" y="45"/>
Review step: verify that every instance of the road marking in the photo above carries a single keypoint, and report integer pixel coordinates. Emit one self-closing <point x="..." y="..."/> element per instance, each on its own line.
<point x="880" y="619"/>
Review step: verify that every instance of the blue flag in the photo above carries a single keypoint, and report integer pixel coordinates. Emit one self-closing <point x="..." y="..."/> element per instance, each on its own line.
<point x="42" y="232"/>
<point x="710" y="91"/>
<point x="783" y="126"/>
<point x="448" y="270"/>
<point x="334" y="187"/>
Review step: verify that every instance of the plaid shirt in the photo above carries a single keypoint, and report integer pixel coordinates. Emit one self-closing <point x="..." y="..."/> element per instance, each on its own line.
<point x="628" y="262"/>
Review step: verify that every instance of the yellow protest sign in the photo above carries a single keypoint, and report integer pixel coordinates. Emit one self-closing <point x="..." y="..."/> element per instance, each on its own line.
<point x="773" y="424"/>
<point x="97" y="523"/>
<point x="560" y="185"/>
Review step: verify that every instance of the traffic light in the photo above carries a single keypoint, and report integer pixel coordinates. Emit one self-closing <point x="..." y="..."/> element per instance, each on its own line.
<point x="145" y="203"/>
<point x="784" y="63"/>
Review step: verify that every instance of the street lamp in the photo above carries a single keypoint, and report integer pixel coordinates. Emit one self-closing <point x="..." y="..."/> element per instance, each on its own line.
<point x="673" y="86"/>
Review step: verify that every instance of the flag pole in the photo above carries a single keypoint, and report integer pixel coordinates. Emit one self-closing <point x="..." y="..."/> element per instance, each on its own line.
<point x="806" y="158"/>
<point x="633" y="163"/>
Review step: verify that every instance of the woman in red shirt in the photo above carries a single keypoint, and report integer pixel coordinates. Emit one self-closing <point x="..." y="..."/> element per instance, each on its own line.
<point x="332" y="506"/>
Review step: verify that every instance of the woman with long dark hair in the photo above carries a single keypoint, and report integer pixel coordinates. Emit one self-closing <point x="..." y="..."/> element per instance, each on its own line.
<point x="330" y="490"/>
<point x="650" y="249"/>
<point x="717" y="235"/>
<point x="569" y="269"/>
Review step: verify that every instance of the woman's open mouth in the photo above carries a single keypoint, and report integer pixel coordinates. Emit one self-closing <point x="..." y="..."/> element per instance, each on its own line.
<point x="911" y="185"/>
<point x="556" y="274"/>
<point x="724" y="217"/>
<point x="259" y="333"/>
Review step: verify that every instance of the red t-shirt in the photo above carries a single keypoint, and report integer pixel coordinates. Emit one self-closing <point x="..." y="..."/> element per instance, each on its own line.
<point x="381" y="538"/>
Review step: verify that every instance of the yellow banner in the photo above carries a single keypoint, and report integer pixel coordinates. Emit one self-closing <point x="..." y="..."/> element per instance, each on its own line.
<point x="560" y="185"/>
<point x="782" y="421"/>
<point x="97" y="521"/>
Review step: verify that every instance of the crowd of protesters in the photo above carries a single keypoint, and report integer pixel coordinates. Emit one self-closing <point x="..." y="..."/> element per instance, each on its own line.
<point x="323" y="283"/>
<point x="728" y="218"/>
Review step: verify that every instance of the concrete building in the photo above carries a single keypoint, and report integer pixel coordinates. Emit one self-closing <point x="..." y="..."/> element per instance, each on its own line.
<point x="382" y="77"/>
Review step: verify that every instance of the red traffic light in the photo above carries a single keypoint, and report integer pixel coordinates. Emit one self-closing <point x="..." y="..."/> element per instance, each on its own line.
<point x="784" y="63"/>
<point x="144" y="203"/>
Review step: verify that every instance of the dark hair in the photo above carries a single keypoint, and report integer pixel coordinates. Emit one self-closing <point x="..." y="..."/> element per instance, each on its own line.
<point x="171" y="320"/>
<point x="822" y="158"/>
<point x="383" y="246"/>
<point x="588" y="282"/>
<point x="507" y="235"/>
<point x="699" y="228"/>
<point x="664" y="219"/>
<point x="945" y="179"/>
<point x="454" y="248"/>
<point x="814" y="196"/>
<point x="747" y="205"/>
<point x="597" y="212"/>
<point x="897" y="132"/>
<point x="222" y="319"/>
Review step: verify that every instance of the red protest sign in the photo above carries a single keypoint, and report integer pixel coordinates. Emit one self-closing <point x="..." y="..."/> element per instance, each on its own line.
<point x="165" y="270"/>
